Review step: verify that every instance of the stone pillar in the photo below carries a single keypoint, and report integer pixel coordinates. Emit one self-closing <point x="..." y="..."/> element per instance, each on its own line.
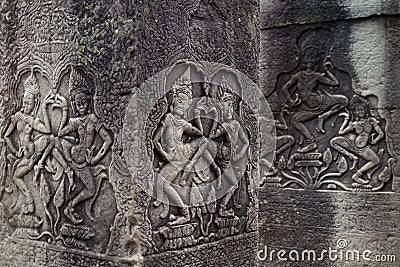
<point x="329" y="71"/>
<point x="68" y="71"/>
<point x="170" y="32"/>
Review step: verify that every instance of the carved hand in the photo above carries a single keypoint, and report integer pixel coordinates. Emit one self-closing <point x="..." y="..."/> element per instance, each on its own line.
<point x="327" y="63"/>
<point x="71" y="186"/>
<point x="61" y="102"/>
<point x="29" y="121"/>
<point x="89" y="156"/>
<point x="373" y="139"/>
<point x="216" y="133"/>
<point x="235" y="155"/>
<point x="296" y="101"/>
<point x="20" y="152"/>
<point x="346" y="115"/>
<point x="49" y="99"/>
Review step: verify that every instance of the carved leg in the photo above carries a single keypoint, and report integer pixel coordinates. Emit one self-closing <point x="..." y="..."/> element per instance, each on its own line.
<point x="19" y="174"/>
<point x="214" y="115"/>
<point x="372" y="170"/>
<point x="188" y="168"/>
<point x="44" y="145"/>
<point x="63" y="162"/>
<point x="28" y="206"/>
<point x="335" y="104"/>
<point x="230" y="177"/>
<point x="287" y="141"/>
<point x="89" y="191"/>
<point x="197" y="119"/>
<point x="177" y="200"/>
<point x="223" y="212"/>
<point x="372" y="158"/>
<point x="341" y="145"/>
<point x="297" y="120"/>
<point x="210" y="160"/>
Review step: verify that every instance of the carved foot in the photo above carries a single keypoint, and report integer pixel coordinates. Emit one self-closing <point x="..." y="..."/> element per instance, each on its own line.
<point x="183" y="178"/>
<point x="72" y="215"/>
<point x="355" y="162"/>
<point x="165" y="212"/>
<point x="307" y="148"/>
<point x="320" y="126"/>
<point x="184" y="218"/>
<point x="156" y="203"/>
<point x="237" y="205"/>
<point x="357" y="178"/>
<point x="223" y="212"/>
<point x="28" y="207"/>
<point x="272" y="171"/>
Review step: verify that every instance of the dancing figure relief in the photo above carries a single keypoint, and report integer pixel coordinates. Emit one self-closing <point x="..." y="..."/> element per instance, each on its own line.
<point x="32" y="140"/>
<point x="352" y="155"/>
<point x="182" y="158"/>
<point x="305" y="96"/>
<point x="357" y="135"/>
<point x="85" y="154"/>
<point x="238" y="145"/>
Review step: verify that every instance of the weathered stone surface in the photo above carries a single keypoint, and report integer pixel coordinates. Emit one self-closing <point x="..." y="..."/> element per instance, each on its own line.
<point x="335" y="59"/>
<point x="277" y="13"/>
<point x="68" y="71"/>
<point x="317" y="220"/>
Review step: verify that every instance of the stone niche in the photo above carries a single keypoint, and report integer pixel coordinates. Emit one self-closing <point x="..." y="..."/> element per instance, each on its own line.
<point x="335" y="179"/>
<point x="69" y="70"/>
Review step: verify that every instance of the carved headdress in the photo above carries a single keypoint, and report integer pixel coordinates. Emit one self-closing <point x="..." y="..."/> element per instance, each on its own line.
<point x="183" y="84"/>
<point x="357" y="101"/>
<point x="78" y="84"/>
<point x="312" y="41"/>
<point x="31" y="86"/>
<point x="226" y="91"/>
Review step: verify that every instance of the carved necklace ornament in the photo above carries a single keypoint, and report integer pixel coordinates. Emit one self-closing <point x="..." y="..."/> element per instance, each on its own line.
<point x="199" y="155"/>
<point x="55" y="165"/>
<point x="313" y="155"/>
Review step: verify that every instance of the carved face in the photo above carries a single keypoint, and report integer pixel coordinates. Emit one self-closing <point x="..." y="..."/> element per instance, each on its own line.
<point x="181" y="104"/>
<point x="227" y="109"/>
<point x="82" y="103"/>
<point x="311" y="57"/>
<point x="29" y="103"/>
<point x="360" y="111"/>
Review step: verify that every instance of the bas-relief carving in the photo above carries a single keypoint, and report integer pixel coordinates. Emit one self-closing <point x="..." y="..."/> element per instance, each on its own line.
<point x="64" y="180"/>
<point x="328" y="136"/>
<point x="64" y="200"/>
<point x="196" y="159"/>
<point x="56" y="155"/>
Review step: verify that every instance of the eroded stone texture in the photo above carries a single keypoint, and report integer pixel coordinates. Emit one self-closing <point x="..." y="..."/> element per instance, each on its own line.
<point x="214" y="31"/>
<point x="276" y="13"/>
<point x="329" y="74"/>
<point x="68" y="71"/>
